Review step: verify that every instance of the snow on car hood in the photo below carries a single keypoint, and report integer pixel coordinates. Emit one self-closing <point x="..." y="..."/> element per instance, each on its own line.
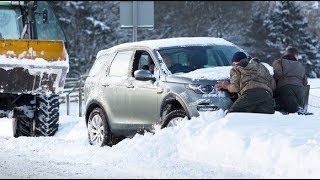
<point x="214" y="73"/>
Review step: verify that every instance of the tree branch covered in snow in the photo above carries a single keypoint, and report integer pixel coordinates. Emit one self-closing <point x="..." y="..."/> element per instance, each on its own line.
<point x="262" y="28"/>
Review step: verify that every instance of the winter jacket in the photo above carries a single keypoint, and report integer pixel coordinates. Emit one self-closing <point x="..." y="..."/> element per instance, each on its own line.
<point x="288" y="70"/>
<point x="254" y="75"/>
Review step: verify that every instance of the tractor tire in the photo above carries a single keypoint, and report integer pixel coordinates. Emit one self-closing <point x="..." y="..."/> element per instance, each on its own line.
<point x="46" y="115"/>
<point x="22" y="126"/>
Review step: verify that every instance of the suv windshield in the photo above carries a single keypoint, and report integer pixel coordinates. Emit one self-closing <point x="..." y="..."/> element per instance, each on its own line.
<point x="190" y="58"/>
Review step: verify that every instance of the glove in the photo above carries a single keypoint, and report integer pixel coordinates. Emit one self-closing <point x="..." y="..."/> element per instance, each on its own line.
<point x="222" y="85"/>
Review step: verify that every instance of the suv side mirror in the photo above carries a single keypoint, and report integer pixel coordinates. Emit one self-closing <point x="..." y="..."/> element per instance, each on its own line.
<point x="143" y="75"/>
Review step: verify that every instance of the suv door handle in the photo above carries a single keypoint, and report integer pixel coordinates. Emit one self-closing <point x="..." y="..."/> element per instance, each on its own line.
<point x="159" y="90"/>
<point x="105" y="85"/>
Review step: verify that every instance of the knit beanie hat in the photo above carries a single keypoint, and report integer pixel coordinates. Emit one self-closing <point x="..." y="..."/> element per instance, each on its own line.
<point x="238" y="56"/>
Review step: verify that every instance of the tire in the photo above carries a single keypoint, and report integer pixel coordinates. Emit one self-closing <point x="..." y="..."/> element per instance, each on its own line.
<point x="98" y="128"/>
<point x="46" y="115"/>
<point x="22" y="126"/>
<point x="171" y="117"/>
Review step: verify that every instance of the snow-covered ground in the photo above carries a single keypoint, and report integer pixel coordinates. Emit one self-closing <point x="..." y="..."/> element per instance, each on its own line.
<point x="239" y="145"/>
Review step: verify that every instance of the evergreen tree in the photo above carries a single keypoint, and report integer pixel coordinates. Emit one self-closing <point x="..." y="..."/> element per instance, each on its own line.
<point x="89" y="26"/>
<point x="94" y="25"/>
<point x="257" y="35"/>
<point x="287" y="27"/>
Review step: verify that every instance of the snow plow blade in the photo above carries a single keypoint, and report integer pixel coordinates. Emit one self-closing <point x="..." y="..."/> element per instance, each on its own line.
<point x="32" y="49"/>
<point x="32" y="66"/>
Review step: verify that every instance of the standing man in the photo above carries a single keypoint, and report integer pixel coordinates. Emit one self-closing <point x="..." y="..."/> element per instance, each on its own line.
<point x="253" y="83"/>
<point x="291" y="79"/>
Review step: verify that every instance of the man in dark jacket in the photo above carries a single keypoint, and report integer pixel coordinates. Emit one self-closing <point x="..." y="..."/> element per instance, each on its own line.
<point x="291" y="79"/>
<point x="253" y="83"/>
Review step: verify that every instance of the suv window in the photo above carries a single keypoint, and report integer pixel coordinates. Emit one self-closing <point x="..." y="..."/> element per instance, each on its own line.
<point x="143" y="60"/>
<point x="120" y="64"/>
<point x="189" y="58"/>
<point x="101" y="63"/>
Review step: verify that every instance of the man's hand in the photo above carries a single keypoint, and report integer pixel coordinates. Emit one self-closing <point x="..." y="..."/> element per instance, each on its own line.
<point x="222" y="85"/>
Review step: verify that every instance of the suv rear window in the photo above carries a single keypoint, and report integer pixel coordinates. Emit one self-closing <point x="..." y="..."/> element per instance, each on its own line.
<point x="190" y="58"/>
<point x="120" y="64"/>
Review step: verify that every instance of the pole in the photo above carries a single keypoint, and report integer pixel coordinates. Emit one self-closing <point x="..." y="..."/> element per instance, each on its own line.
<point x="135" y="20"/>
<point x="68" y="104"/>
<point x="80" y="98"/>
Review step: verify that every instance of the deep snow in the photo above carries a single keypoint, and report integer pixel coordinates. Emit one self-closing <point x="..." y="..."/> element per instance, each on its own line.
<point x="239" y="145"/>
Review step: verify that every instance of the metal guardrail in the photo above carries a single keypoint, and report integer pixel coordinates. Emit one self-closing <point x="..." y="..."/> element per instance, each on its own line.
<point x="73" y="91"/>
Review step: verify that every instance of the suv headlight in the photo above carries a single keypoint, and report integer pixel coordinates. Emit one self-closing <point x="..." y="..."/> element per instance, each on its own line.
<point x="201" y="89"/>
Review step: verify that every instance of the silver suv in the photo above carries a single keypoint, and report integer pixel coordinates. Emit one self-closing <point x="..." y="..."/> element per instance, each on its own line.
<point x="133" y="86"/>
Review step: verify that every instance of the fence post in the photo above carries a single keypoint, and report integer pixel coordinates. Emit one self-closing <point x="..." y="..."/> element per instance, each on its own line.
<point x="68" y="104"/>
<point x="80" y="98"/>
<point x="306" y="98"/>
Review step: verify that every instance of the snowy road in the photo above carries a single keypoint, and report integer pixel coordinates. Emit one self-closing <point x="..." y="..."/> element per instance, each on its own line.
<point x="68" y="155"/>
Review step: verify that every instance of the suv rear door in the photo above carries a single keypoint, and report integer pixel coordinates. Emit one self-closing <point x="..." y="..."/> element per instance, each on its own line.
<point x="115" y="90"/>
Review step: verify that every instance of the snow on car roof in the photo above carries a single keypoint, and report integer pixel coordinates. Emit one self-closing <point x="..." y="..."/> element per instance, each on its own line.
<point x="169" y="42"/>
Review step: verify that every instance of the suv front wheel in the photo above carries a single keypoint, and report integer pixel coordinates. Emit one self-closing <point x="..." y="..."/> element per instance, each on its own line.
<point x="98" y="129"/>
<point x="173" y="117"/>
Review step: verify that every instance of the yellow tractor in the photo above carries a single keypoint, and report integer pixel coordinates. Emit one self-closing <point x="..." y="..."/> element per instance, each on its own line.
<point x="33" y="67"/>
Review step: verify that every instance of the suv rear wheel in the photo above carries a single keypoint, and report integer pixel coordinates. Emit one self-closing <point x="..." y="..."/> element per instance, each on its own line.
<point x="98" y="129"/>
<point x="173" y="117"/>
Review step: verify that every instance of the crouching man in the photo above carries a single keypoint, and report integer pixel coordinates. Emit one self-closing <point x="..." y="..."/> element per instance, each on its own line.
<point x="291" y="79"/>
<point x="253" y="83"/>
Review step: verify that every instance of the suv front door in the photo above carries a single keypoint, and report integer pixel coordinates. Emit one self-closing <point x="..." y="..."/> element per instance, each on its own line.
<point x="144" y="95"/>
